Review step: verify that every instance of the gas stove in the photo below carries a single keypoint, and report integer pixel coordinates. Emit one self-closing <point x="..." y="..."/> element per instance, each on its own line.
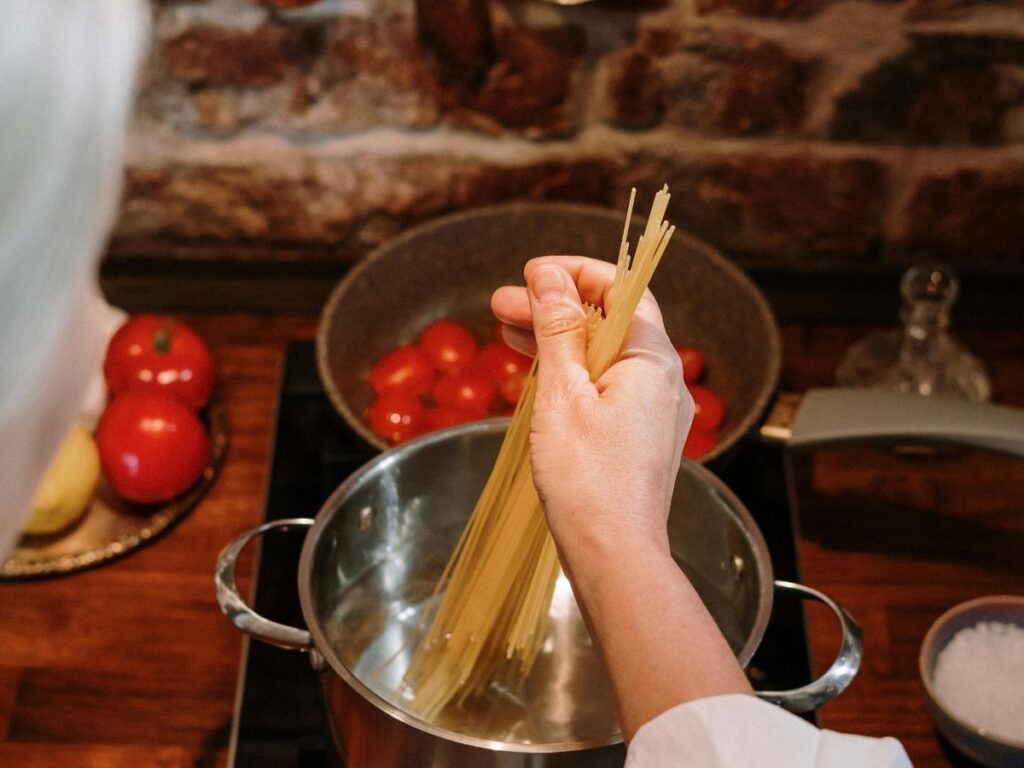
<point x="279" y="719"/>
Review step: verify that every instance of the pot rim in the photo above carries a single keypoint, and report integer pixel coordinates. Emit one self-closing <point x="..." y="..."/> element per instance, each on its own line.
<point x="320" y="643"/>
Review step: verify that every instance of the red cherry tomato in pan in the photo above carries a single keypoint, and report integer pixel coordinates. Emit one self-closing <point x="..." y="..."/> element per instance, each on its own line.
<point x="443" y="417"/>
<point x="152" y="448"/>
<point x="506" y="368"/>
<point x="397" y="416"/>
<point x="699" y="442"/>
<point x="693" y="363"/>
<point x="512" y="389"/>
<point x="449" y="346"/>
<point x="469" y="392"/>
<point x="709" y="410"/>
<point x="160" y="354"/>
<point x="406" y="369"/>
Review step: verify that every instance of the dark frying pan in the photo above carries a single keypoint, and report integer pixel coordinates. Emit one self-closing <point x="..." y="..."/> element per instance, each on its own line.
<point x="449" y="268"/>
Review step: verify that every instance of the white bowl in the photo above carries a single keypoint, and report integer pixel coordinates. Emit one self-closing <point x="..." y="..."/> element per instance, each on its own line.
<point x="977" y="743"/>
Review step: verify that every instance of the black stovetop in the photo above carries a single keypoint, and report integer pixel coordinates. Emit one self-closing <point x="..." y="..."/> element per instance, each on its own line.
<point x="279" y="716"/>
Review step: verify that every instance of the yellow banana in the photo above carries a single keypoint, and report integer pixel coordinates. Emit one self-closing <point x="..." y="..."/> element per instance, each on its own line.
<point x="68" y="484"/>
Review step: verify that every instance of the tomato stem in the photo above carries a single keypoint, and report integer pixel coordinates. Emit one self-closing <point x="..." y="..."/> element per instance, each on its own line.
<point x="162" y="340"/>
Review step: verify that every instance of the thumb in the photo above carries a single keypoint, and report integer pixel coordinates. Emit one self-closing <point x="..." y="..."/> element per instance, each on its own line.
<point x="559" y="325"/>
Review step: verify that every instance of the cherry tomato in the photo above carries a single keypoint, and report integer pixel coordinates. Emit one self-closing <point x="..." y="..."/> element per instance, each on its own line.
<point x="512" y="389"/>
<point x="397" y="416"/>
<point x="709" y="410"/>
<point x="469" y="392"/>
<point x="506" y="368"/>
<point x="159" y="353"/>
<point x="693" y="363"/>
<point x="699" y="442"/>
<point x="449" y="346"/>
<point x="152" y="448"/>
<point x="406" y="369"/>
<point x="445" y="416"/>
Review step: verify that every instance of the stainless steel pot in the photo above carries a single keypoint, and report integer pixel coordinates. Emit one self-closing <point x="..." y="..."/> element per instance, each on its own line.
<point x="374" y="554"/>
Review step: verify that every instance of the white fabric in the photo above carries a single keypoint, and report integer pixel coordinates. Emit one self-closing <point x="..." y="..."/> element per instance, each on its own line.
<point x="743" y="732"/>
<point x="66" y="73"/>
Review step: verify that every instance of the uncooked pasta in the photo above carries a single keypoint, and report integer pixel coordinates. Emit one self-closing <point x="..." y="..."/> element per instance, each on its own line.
<point x="490" y="609"/>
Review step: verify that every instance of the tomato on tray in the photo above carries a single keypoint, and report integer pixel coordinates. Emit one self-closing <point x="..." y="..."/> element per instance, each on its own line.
<point x="406" y="369"/>
<point x="152" y="448"/>
<point x="398" y="416"/>
<point x="160" y="354"/>
<point x="449" y="346"/>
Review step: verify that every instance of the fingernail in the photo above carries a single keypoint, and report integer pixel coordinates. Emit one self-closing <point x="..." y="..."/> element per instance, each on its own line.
<point x="548" y="284"/>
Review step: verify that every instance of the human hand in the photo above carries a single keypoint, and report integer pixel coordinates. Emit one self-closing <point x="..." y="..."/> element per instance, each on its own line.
<point x="605" y="454"/>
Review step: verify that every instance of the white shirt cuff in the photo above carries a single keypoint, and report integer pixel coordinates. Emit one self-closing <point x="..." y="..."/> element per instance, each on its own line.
<point x="738" y="730"/>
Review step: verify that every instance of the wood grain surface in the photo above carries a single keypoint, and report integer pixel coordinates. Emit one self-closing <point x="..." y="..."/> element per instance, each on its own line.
<point x="132" y="664"/>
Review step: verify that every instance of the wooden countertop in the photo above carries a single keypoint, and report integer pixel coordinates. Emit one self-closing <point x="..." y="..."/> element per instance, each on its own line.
<point x="133" y="665"/>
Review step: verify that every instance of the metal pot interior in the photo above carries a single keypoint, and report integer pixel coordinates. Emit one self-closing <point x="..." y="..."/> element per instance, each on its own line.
<point x="381" y="541"/>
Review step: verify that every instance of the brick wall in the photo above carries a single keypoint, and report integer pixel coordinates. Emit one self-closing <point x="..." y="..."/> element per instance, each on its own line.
<point x="793" y="133"/>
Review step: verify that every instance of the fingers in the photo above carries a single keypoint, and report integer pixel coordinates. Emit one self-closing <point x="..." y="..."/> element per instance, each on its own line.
<point x="511" y="306"/>
<point x="560" y="329"/>
<point x="593" y="278"/>
<point x="520" y="340"/>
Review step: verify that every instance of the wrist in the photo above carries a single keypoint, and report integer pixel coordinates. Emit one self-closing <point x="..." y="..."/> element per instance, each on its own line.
<point x="595" y="550"/>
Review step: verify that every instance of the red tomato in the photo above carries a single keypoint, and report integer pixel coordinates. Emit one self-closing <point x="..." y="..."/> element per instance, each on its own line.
<point x="693" y="363"/>
<point x="440" y="418"/>
<point x="397" y="416"/>
<point x="709" y="410"/>
<point x="469" y="392"/>
<point x="506" y="368"/>
<point x="406" y="369"/>
<point x="161" y="354"/>
<point x="512" y="389"/>
<point x="699" y="442"/>
<point x="449" y="346"/>
<point x="152" y="448"/>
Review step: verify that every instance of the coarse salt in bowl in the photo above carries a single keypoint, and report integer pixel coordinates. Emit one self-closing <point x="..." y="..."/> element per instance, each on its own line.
<point x="972" y="666"/>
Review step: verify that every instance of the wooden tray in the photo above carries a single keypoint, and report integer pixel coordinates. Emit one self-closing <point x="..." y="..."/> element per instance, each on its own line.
<point x="112" y="527"/>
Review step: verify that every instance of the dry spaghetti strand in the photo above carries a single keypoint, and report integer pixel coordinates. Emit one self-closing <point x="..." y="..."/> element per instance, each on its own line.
<point x="490" y="608"/>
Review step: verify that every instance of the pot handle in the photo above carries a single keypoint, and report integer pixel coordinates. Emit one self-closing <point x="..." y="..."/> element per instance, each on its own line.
<point x="238" y="611"/>
<point x="836" y="416"/>
<point x="843" y="669"/>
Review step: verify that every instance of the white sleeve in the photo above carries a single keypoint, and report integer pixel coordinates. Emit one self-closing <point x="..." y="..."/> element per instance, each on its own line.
<point x="67" y="69"/>
<point x="737" y="730"/>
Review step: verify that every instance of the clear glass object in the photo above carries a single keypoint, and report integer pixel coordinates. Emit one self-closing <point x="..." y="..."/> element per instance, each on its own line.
<point x="921" y="358"/>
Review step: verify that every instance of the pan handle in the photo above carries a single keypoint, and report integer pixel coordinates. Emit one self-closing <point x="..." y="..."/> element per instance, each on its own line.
<point x="238" y="611"/>
<point x="843" y="669"/>
<point x="836" y="416"/>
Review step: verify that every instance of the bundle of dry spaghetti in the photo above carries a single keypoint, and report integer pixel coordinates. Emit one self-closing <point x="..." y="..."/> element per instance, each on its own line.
<point x="496" y="590"/>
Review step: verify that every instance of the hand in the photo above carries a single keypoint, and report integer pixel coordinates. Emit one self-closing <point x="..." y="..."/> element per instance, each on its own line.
<point x="605" y="454"/>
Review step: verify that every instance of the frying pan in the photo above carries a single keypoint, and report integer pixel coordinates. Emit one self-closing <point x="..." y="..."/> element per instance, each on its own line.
<point x="449" y="268"/>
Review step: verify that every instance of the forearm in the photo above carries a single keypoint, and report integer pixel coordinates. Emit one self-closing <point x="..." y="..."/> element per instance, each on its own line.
<point x="659" y="643"/>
